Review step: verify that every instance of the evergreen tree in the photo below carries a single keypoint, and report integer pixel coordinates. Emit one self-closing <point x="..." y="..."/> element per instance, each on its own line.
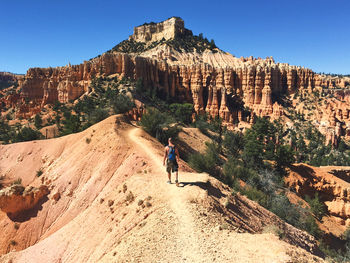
<point x="38" y="121"/>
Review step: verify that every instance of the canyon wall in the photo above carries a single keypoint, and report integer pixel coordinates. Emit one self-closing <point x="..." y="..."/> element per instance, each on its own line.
<point x="218" y="91"/>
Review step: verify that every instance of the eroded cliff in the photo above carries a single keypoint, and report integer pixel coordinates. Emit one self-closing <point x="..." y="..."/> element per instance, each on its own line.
<point x="214" y="81"/>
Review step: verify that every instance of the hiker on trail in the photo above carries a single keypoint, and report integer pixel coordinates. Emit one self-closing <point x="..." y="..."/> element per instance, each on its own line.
<point x="171" y="156"/>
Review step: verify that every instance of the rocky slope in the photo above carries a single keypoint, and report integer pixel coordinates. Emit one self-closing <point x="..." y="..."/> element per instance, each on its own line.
<point x="108" y="201"/>
<point x="332" y="184"/>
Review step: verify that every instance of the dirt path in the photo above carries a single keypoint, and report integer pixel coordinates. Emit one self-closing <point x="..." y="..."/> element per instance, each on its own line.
<point x="187" y="239"/>
<point x="193" y="239"/>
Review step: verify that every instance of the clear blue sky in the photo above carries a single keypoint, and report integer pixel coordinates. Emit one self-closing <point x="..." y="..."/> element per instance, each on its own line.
<point x="310" y="33"/>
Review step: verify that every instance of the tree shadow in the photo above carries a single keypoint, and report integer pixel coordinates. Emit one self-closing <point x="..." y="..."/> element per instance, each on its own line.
<point x="303" y="170"/>
<point x="28" y="214"/>
<point x="213" y="191"/>
<point x="185" y="149"/>
<point x="342" y="174"/>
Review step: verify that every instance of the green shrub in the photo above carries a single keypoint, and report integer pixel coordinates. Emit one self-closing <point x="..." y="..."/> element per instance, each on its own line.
<point x="17" y="181"/>
<point x="38" y="122"/>
<point x="235" y="169"/>
<point x="122" y="104"/>
<point x="308" y="223"/>
<point x="282" y="207"/>
<point x="233" y="143"/>
<point x="182" y="112"/>
<point x="157" y="124"/>
<point x="71" y="124"/>
<point x="316" y="206"/>
<point x="201" y="123"/>
<point x="5" y="131"/>
<point x="198" y="162"/>
<point x="98" y="115"/>
<point x="253" y="152"/>
<point x="27" y="134"/>
<point x="256" y="195"/>
<point x="39" y="172"/>
<point x="206" y="162"/>
<point x="284" y="156"/>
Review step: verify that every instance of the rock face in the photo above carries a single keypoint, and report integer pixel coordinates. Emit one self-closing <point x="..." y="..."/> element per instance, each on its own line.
<point x="16" y="199"/>
<point x="210" y="89"/>
<point x="331" y="183"/>
<point x="7" y="76"/>
<point x="168" y="29"/>
<point x="215" y="82"/>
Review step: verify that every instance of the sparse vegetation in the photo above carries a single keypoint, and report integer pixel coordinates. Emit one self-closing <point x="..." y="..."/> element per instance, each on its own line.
<point x="182" y="112"/>
<point x="130" y="197"/>
<point x="13" y="242"/>
<point x="184" y="43"/>
<point x="39" y="172"/>
<point x="158" y="124"/>
<point x="274" y="230"/>
<point x="107" y="97"/>
<point x="316" y="206"/>
<point x="18" y="181"/>
<point x="125" y="188"/>
<point x="208" y="161"/>
<point x="2" y="177"/>
<point x="258" y="158"/>
<point x="38" y="122"/>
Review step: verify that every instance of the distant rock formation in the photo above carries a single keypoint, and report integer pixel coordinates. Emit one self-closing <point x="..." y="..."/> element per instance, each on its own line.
<point x="7" y="76"/>
<point x="168" y="29"/>
<point x="215" y="82"/>
<point x="210" y="89"/>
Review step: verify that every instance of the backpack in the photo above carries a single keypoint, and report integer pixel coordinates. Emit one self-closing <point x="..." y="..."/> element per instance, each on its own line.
<point x="171" y="153"/>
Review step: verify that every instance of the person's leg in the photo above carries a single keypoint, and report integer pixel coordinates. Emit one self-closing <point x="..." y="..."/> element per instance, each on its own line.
<point x="169" y="176"/>
<point x="168" y="169"/>
<point x="176" y="168"/>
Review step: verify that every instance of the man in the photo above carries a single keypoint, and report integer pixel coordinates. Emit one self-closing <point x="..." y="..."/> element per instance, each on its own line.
<point x="171" y="155"/>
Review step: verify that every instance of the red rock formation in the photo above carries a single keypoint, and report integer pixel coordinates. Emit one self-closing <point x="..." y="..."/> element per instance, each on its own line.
<point x="208" y="80"/>
<point x="253" y="84"/>
<point x="16" y="199"/>
<point x="330" y="183"/>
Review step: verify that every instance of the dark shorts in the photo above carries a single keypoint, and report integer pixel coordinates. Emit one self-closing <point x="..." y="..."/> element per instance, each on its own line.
<point x="171" y="166"/>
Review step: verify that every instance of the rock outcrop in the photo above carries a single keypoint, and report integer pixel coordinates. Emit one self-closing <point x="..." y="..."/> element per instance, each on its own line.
<point x="16" y="199"/>
<point x="215" y="82"/>
<point x="209" y="88"/>
<point x="331" y="184"/>
<point x="8" y="77"/>
<point x="168" y="29"/>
